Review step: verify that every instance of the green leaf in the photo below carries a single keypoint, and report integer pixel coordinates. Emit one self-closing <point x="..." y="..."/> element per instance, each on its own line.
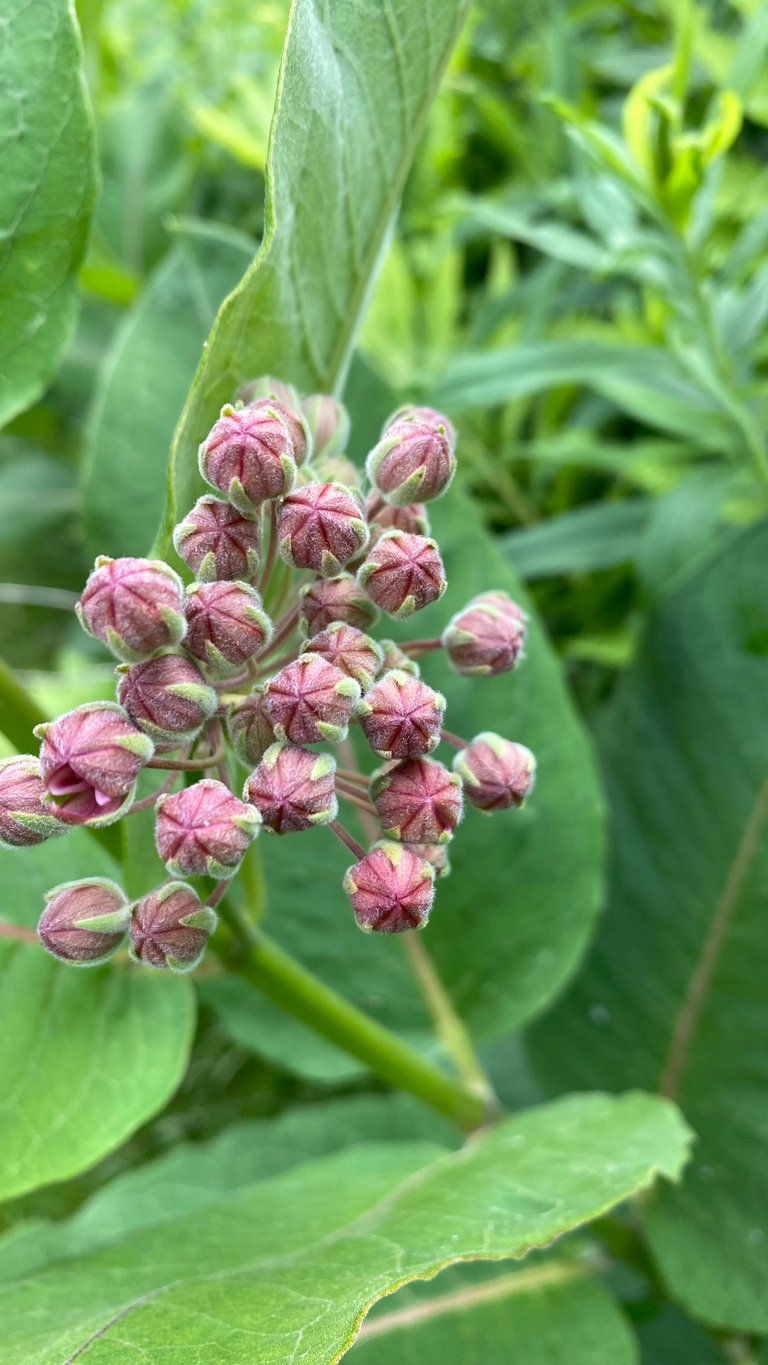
<point x="355" y="88"/>
<point x="86" y="1056"/>
<point x="511" y="921"/>
<point x="155" y="355"/>
<point x="47" y="191"/>
<point x="579" y="541"/>
<point x="673" y="996"/>
<point x="247" y="1276"/>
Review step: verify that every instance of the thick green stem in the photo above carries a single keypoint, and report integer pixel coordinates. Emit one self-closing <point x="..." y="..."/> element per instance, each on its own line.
<point x="289" y="985"/>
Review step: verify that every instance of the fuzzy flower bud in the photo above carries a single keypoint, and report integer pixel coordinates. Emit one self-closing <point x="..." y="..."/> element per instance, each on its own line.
<point x="401" y="717"/>
<point x="328" y="422"/>
<point x="250" y="728"/>
<point x="204" y="830"/>
<point x="293" y="789"/>
<point x="84" y="922"/>
<point x="403" y="573"/>
<point x="417" y="801"/>
<point x="249" y="455"/>
<point x="335" y="599"/>
<point x="321" y="527"/>
<point x="503" y="603"/>
<point x="266" y="386"/>
<point x="311" y="700"/>
<point x="391" y="889"/>
<point x="90" y="759"/>
<point x="497" y="773"/>
<point x="227" y="624"/>
<point x="356" y="654"/>
<point x="411" y="517"/>
<point x="168" y="698"/>
<point x="134" y="606"/>
<point x="395" y="657"/>
<point x="285" y="399"/>
<point x="218" y="541"/>
<point x="24" y="819"/>
<point x="170" y="928"/>
<point x="436" y="855"/>
<point x="486" y="637"/>
<point x="337" y="469"/>
<point x="414" y="458"/>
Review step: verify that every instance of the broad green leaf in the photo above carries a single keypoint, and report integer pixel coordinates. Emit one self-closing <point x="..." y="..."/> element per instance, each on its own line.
<point x="47" y="190"/>
<point x="673" y="995"/>
<point x="154" y="355"/>
<point x="545" y="1314"/>
<point x="580" y="540"/>
<point x="86" y="1056"/>
<point x="247" y="1278"/>
<point x="511" y="921"/>
<point x="355" y="88"/>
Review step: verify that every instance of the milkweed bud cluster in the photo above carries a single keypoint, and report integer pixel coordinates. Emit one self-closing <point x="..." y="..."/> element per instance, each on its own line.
<point x="260" y="661"/>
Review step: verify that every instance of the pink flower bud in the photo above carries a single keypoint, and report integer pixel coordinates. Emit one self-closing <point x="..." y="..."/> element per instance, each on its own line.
<point x="134" y="606"/>
<point x="401" y="717"/>
<point x="391" y="889"/>
<point x="84" y="922"/>
<point x="226" y="624"/>
<point x="250" y="727"/>
<point x="285" y="399"/>
<point x="266" y="386"/>
<point x="249" y="455"/>
<point x="335" y="599"/>
<point x="417" y="801"/>
<point x="503" y="603"/>
<point x="321" y="527"/>
<point x="412" y="517"/>
<point x="328" y="421"/>
<point x="337" y="469"/>
<point x="204" y="830"/>
<point x="486" y="637"/>
<point x="430" y="416"/>
<point x="403" y="573"/>
<point x="414" y="458"/>
<point x="293" y="789"/>
<point x="168" y="698"/>
<point x="90" y="759"/>
<point x="218" y="541"/>
<point x="394" y="657"/>
<point x="497" y="773"/>
<point x="24" y="819"/>
<point x="311" y="700"/>
<point x="170" y="928"/>
<point x="436" y="855"/>
<point x="356" y="654"/>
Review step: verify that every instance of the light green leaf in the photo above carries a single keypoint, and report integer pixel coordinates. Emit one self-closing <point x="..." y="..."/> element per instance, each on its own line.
<point x="673" y="996"/>
<point x="247" y="1278"/>
<point x="355" y="88"/>
<point x="47" y="191"/>
<point x="579" y="541"/>
<point x="143" y="385"/>
<point x="86" y="1055"/>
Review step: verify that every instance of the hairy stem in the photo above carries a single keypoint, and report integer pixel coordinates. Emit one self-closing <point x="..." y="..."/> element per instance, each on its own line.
<point x="189" y="765"/>
<point x="341" y="833"/>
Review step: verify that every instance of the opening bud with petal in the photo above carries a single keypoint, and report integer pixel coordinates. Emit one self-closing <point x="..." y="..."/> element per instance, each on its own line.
<point x="84" y="922"/>
<point x="391" y="890"/>
<point x="216" y="540"/>
<point x="486" y="637"/>
<point x="25" y="819"/>
<point x="401" y="717"/>
<point x="293" y="789"/>
<point x="403" y="573"/>
<point x="170" y="928"/>
<point x="204" y="830"/>
<point x="497" y="773"/>
<point x="321" y="527"/>
<point x="249" y="455"/>
<point x="134" y="606"/>
<point x="90" y="759"/>
<point x="356" y="654"/>
<point x="414" y="460"/>
<point x="311" y="700"/>
<point x="250" y="727"/>
<point x="418" y="801"/>
<point x="335" y="599"/>
<point x="167" y="697"/>
<point x="227" y="624"/>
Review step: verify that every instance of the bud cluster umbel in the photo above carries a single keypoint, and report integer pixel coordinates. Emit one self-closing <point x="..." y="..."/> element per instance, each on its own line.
<point x="209" y="681"/>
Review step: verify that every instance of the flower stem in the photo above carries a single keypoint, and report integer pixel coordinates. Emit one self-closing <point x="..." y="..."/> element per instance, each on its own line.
<point x="454" y="740"/>
<point x="188" y="765"/>
<point x="416" y="647"/>
<point x="289" y="985"/>
<point x="269" y="562"/>
<point x="355" y="798"/>
<point x="346" y="838"/>
<point x="18" y="932"/>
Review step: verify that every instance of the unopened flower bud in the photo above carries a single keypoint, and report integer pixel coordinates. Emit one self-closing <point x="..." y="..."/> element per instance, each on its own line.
<point x="411" y="517"/>
<point x="429" y="416"/>
<point x="391" y="889"/>
<point x="266" y="386"/>
<point x="310" y="700"/>
<point x="486" y="637"/>
<point x="401" y="717"/>
<point x="503" y="603"/>
<point x="335" y="599"/>
<point x="497" y="773"/>
<point x="337" y="469"/>
<point x="24" y="818"/>
<point x="395" y="657"/>
<point x="218" y="541"/>
<point x="204" y="830"/>
<point x="293" y="789"/>
<point x="170" y="928"/>
<point x="249" y="455"/>
<point x="84" y="922"/>
<point x="328" y="421"/>
<point x="227" y="624"/>
<point x="134" y="606"/>
<point x="414" y="460"/>
<point x="321" y="527"/>
<point x="90" y="759"/>
<point x="285" y="399"/>
<point x="403" y="573"/>
<point x="356" y="654"/>
<point x="417" y="801"/>
<point x="250" y="727"/>
<point x="167" y="697"/>
<point x="436" y="855"/>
